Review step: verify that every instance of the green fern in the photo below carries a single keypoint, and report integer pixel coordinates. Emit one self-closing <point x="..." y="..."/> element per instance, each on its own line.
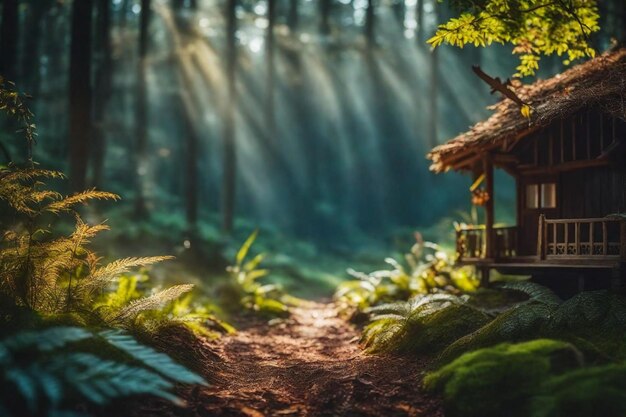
<point x="426" y="269"/>
<point x="43" y="376"/>
<point x="523" y="322"/>
<point x="535" y="292"/>
<point x="245" y="275"/>
<point x="424" y="324"/>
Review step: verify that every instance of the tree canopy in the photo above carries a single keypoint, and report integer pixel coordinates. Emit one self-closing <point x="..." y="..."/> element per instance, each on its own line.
<point x="533" y="27"/>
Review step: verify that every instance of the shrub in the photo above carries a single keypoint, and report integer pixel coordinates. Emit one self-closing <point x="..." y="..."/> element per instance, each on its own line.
<point x="504" y="377"/>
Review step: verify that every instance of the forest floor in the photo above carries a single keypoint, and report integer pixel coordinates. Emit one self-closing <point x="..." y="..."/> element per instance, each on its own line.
<point x="309" y="364"/>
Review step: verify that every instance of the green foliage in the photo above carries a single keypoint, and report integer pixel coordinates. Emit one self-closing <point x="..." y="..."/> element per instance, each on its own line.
<point x="133" y="305"/>
<point x="594" y="391"/>
<point x="48" y="273"/>
<point x="44" y="372"/>
<point x="507" y="375"/>
<point x="12" y="103"/>
<point x="245" y="286"/>
<point x="532" y="27"/>
<point x="426" y="323"/>
<point x="521" y="321"/>
<point x="427" y="269"/>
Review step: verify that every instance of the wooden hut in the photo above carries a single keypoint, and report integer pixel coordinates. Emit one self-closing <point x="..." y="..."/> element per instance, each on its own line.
<point x="569" y="164"/>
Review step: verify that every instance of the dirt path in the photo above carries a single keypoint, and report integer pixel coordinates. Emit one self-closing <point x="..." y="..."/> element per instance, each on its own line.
<point x="309" y="365"/>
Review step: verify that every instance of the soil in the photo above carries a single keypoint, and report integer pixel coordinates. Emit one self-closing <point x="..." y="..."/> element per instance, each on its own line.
<point x="309" y="364"/>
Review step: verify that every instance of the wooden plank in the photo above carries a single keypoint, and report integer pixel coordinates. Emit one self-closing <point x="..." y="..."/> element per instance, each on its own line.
<point x="605" y="239"/>
<point x="601" y="132"/>
<point x="554" y="236"/>
<point x="588" y="133"/>
<point x="565" y="236"/>
<point x="582" y="220"/>
<point x="573" y="137"/>
<point x="622" y="240"/>
<point x="541" y="247"/>
<point x="577" y="238"/>
<point x="489" y="205"/>
<point x="551" y="149"/>
<point x="562" y="142"/>
<point x="591" y="243"/>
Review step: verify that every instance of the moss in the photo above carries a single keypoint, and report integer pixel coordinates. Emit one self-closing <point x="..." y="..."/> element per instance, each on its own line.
<point x="508" y="375"/>
<point x="597" y="318"/>
<point x="431" y="333"/>
<point x="524" y="322"/>
<point x="596" y="391"/>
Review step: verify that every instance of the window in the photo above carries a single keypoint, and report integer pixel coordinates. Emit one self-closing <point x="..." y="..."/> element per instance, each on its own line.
<point x="541" y="195"/>
<point x="532" y="196"/>
<point x="548" y="195"/>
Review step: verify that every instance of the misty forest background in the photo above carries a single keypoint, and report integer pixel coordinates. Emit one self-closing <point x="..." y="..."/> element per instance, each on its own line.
<point x="307" y="118"/>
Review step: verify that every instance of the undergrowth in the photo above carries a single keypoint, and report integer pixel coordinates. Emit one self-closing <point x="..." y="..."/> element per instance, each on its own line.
<point x="46" y="372"/>
<point x="426" y="269"/>
<point x="48" y="278"/>
<point x="245" y="289"/>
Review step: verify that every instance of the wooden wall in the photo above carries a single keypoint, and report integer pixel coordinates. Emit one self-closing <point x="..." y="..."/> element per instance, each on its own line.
<point x="558" y="154"/>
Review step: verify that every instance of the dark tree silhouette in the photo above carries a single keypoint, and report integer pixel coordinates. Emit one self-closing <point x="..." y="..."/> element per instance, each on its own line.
<point x="229" y="160"/>
<point x="103" y="88"/>
<point x="188" y="110"/>
<point x="80" y="92"/>
<point x="8" y="39"/>
<point x="141" y="110"/>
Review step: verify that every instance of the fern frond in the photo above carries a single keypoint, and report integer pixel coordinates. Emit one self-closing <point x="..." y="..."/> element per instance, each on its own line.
<point x="154" y="301"/>
<point x="68" y="203"/>
<point x="100" y="380"/>
<point x="44" y="340"/>
<point x="400" y="308"/>
<point x="160" y="362"/>
<point x="245" y="248"/>
<point x="535" y="292"/>
<point x="102" y="275"/>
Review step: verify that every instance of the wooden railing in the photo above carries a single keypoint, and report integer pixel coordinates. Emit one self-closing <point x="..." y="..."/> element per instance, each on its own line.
<point x="598" y="238"/>
<point x="471" y="242"/>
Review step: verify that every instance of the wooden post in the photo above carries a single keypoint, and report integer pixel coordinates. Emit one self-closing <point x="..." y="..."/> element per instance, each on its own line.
<point x="489" y="205"/>
<point x="622" y="240"/>
<point x="541" y="233"/>
<point x="591" y="238"/>
<point x="605" y="239"/>
<point x="577" y="238"/>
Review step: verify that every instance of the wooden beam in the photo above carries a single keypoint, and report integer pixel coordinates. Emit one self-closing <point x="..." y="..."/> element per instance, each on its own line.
<point x="489" y="205"/>
<point x="566" y="166"/>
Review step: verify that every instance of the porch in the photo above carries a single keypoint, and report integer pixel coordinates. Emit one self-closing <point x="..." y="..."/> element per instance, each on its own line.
<point x="593" y="242"/>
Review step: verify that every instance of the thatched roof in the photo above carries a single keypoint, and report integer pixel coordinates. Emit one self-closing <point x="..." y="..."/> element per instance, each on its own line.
<point x="598" y="82"/>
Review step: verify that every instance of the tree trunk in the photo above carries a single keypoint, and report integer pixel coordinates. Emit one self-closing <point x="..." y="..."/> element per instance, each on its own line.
<point x="103" y="90"/>
<point x="80" y="92"/>
<point x="293" y="17"/>
<point x="31" y="62"/>
<point x="325" y="9"/>
<point x="370" y="23"/>
<point x="8" y="39"/>
<point x="229" y="148"/>
<point x="419" y="20"/>
<point x="141" y="112"/>
<point x="187" y="108"/>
